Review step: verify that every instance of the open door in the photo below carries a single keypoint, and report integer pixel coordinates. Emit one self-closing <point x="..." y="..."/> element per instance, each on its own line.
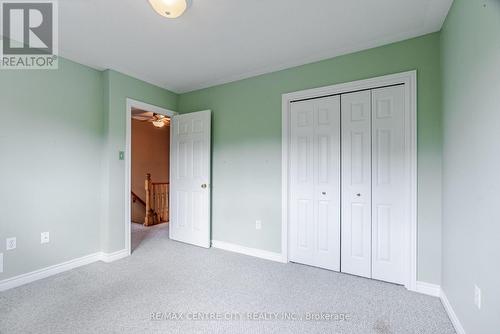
<point x="190" y="178"/>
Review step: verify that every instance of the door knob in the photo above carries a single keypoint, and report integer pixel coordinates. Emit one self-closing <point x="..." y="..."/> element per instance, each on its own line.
<point x="359" y="195"/>
<point x="204" y="185"/>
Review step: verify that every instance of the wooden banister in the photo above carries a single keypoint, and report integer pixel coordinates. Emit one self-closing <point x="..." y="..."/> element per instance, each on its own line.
<point x="157" y="197"/>
<point x="136" y="198"/>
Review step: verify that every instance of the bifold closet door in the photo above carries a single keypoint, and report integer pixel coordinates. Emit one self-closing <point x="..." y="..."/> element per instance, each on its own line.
<point x="356" y="183"/>
<point x="390" y="187"/>
<point x="314" y="207"/>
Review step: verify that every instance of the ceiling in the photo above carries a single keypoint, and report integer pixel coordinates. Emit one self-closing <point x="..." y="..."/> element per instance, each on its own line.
<point x="141" y="113"/>
<point x="219" y="41"/>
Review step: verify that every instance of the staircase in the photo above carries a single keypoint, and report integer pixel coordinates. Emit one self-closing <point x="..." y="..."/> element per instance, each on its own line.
<point x="156" y="203"/>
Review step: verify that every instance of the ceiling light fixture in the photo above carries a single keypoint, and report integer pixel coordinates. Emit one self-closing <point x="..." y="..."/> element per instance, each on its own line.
<point x="159" y="123"/>
<point x="169" y="8"/>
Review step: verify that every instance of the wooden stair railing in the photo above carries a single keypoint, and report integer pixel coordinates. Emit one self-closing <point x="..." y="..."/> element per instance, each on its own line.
<point x="157" y="197"/>
<point x="160" y="200"/>
<point x="136" y="198"/>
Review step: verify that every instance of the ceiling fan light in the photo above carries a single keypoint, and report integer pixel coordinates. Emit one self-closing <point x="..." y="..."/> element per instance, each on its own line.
<point x="159" y="123"/>
<point x="169" y="8"/>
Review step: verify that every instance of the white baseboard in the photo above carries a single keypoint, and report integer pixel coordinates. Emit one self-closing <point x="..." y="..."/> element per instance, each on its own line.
<point x="451" y="313"/>
<point x="428" y="289"/>
<point x="16" y="281"/>
<point x="110" y="257"/>
<point x="436" y="291"/>
<point x="248" y="251"/>
<point x="19" y="280"/>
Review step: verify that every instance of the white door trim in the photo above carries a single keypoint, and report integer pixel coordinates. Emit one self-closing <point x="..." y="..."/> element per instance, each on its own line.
<point x="128" y="159"/>
<point x="409" y="79"/>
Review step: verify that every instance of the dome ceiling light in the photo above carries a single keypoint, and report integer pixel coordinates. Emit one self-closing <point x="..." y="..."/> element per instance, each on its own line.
<point x="169" y="8"/>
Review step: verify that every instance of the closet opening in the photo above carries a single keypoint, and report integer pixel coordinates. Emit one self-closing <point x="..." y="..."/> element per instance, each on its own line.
<point x="349" y="178"/>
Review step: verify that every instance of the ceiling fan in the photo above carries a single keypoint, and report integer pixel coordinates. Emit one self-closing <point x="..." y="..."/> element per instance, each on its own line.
<point x="158" y="120"/>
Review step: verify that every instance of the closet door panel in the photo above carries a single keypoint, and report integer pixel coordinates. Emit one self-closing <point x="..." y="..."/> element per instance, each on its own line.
<point x="327" y="182"/>
<point x="301" y="205"/>
<point x="356" y="184"/>
<point x="314" y="208"/>
<point x="390" y="189"/>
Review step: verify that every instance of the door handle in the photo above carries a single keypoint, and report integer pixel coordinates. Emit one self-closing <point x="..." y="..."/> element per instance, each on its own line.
<point x="204" y="185"/>
<point x="359" y="195"/>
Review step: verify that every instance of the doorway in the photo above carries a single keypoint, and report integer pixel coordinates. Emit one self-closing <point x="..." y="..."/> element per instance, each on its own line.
<point x="349" y="178"/>
<point x="147" y="171"/>
<point x="150" y="156"/>
<point x="189" y="177"/>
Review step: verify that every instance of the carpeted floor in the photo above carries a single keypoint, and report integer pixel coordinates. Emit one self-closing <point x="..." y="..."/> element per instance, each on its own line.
<point x="173" y="283"/>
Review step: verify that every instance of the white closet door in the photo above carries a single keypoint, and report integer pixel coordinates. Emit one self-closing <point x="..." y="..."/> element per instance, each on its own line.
<point x="390" y="189"/>
<point x="356" y="183"/>
<point x="315" y="183"/>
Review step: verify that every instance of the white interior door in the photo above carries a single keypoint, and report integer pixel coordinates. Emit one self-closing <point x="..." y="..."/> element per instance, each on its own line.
<point x="356" y="183"/>
<point x="190" y="178"/>
<point x="390" y="189"/>
<point x="314" y="208"/>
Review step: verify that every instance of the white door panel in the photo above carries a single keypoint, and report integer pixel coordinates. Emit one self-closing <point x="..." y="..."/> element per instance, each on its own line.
<point x="315" y="183"/>
<point x="356" y="183"/>
<point x="390" y="189"/>
<point x="302" y="182"/>
<point x="190" y="178"/>
<point x="327" y="182"/>
<point x="349" y="182"/>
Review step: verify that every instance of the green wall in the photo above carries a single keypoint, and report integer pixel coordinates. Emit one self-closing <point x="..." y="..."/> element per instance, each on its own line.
<point x="246" y="162"/>
<point x="51" y="139"/>
<point x="61" y="131"/>
<point x="471" y="185"/>
<point x="118" y="88"/>
<point x="60" y="134"/>
<point x="83" y="114"/>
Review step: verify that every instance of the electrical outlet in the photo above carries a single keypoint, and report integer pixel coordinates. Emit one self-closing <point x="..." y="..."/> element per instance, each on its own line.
<point x="11" y="243"/>
<point x="44" y="238"/>
<point x="477" y="296"/>
<point x="258" y="224"/>
<point x="1" y="262"/>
